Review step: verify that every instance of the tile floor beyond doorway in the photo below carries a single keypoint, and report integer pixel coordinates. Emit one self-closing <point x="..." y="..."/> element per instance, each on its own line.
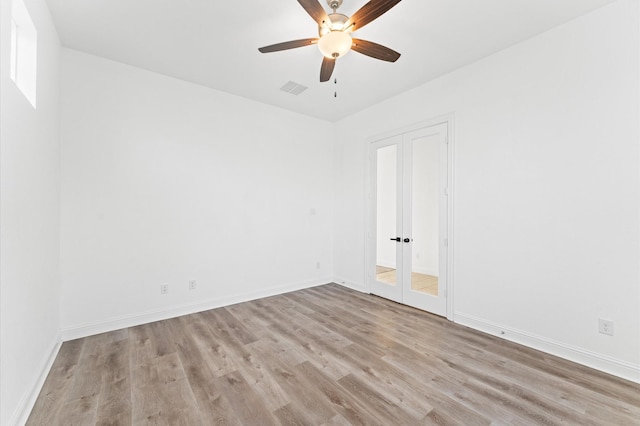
<point x="419" y="282"/>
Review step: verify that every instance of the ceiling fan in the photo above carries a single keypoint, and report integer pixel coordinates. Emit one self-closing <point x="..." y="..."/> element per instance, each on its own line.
<point x="335" y="30"/>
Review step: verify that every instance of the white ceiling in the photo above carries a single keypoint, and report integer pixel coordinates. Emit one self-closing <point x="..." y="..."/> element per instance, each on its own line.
<point x="215" y="43"/>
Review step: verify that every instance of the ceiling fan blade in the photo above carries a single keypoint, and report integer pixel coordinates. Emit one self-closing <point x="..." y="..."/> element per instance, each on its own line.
<point x="327" y="68"/>
<point x="370" y="11"/>
<point x="375" y="50"/>
<point x="315" y="10"/>
<point x="288" y="45"/>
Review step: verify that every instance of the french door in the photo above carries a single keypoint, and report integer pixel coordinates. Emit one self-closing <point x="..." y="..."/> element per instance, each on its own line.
<point x="407" y="236"/>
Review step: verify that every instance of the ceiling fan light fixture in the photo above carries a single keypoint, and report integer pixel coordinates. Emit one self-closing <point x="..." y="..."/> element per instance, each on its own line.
<point x="334" y="33"/>
<point x="335" y="44"/>
<point x="336" y="22"/>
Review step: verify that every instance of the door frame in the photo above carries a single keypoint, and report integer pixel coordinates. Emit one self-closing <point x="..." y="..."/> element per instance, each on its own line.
<point x="370" y="208"/>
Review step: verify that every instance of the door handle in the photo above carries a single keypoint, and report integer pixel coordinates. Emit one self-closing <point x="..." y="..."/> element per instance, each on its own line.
<point x="398" y="239"/>
<point x="407" y="240"/>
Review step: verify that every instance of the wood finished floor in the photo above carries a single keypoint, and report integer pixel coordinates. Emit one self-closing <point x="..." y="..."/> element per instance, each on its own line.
<point x="419" y="282"/>
<point x="326" y="355"/>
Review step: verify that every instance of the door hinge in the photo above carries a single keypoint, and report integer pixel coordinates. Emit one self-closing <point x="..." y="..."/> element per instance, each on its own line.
<point x="446" y="242"/>
<point x="446" y="191"/>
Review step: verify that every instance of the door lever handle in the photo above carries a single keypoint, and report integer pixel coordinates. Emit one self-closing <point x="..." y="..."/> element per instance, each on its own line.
<point x="407" y="240"/>
<point x="398" y="239"/>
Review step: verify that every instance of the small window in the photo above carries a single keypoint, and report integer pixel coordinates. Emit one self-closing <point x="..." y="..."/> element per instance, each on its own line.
<point x="24" y="51"/>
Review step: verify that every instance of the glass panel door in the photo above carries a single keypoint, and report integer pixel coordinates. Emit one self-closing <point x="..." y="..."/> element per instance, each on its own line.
<point x="387" y="255"/>
<point x="425" y="218"/>
<point x="408" y="231"/>
<point x="424" y="213"/>
<point x="386" y="209"/>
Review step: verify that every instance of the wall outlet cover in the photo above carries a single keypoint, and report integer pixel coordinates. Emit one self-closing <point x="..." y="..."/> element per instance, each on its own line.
<point x="605" y="326"/>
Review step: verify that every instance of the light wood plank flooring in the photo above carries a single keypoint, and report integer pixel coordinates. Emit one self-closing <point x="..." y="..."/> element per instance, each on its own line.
<point x="326" y="355"/>
<point x="419" y="282"/>
<point x="424" y="283"/>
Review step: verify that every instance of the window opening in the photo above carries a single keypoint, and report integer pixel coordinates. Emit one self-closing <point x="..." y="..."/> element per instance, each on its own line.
<point x="24" y="50"/>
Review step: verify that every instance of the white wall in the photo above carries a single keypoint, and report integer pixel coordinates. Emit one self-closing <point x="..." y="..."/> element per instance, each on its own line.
<point x="546" y="187"/>
<point x="29" y="221"/>
<point x="164" y="181"/>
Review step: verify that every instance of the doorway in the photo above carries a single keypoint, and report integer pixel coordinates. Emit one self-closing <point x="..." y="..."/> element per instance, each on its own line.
<point x="408" y="250"/>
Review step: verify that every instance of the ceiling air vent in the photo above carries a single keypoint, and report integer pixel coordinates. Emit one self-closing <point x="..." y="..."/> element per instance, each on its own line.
<point x="293" y="88"/>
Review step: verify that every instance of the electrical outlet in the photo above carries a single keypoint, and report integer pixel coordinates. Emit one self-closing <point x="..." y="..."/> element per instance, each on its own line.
<point x="317" y="265"/>
<point x="605" y="326"/>
<point x="164" y="288"/>
<point x="192" y="284"/>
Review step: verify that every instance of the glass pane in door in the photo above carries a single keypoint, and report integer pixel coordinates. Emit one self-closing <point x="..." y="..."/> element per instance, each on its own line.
<point x="425" y="213"/>
<point x="386" y="214"/>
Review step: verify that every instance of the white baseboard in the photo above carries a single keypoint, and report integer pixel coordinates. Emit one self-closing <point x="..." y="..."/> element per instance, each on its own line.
<point x="623" y="369"/>
<point x="117" y="323"/>
<point x="350" y="284"/>
<point x="425" y="271"/>
<point x="28" y="400"/>
<point x="386" y="264"/>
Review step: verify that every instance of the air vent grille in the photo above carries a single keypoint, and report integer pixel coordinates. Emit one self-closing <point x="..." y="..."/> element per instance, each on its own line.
<point x="293" y="88"/>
